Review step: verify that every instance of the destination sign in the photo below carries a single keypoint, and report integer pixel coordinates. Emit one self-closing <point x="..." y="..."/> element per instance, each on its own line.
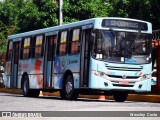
<point x="124" y="24"/>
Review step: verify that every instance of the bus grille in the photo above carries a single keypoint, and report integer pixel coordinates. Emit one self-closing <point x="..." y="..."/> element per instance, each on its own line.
<point x="123" y="68"/>
<point x="127" y="77"/>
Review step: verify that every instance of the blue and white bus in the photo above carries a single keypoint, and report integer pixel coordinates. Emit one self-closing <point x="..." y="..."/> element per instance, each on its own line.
<point x="95" y="56"/>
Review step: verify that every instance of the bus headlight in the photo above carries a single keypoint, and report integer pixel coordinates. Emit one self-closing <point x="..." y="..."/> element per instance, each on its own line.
<point x="147" y="76"/>
<point x="98" y="73"/>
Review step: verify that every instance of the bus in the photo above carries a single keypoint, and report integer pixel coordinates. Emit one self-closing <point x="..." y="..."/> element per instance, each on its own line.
<point x="109" y="55"/>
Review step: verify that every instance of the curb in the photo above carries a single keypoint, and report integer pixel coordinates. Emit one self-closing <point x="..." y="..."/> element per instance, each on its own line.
<point x="131" y="97"/>
<point x="11" y="90"/>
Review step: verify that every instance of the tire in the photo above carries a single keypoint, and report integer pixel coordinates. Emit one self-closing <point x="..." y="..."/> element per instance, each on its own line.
<point x="68" y="92"/>
<point x="25" y="86"/>
<point x="27" y="92"/>
<point x="120" y="96"/>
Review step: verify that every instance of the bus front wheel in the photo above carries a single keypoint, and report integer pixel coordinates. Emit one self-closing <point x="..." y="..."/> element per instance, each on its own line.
<point x="68" y="92"/>
<point x="120" y="96"/>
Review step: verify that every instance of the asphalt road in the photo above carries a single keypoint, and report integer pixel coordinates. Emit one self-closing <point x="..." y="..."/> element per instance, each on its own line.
<point x="15" y="102"/>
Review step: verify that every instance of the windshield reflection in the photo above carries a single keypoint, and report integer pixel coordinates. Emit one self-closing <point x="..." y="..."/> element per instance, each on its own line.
<point x="122" y="47"/>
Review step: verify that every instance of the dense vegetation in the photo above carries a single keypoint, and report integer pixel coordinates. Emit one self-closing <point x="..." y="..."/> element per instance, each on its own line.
<point x="24" y="15"/>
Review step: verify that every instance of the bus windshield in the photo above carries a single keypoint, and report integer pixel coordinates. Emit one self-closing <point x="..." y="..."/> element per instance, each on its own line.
<point x="123" y="47"/>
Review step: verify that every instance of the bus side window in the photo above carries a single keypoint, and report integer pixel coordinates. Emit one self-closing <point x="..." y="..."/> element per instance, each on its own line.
<point x="39" y="44"/>
<point x="75" y="41"/>
<point x="25" y="52"/>
<point x="62" y="43"/>
<point x="9" y="50"/>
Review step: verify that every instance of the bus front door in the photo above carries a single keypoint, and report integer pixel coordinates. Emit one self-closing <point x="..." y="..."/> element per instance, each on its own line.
<point x="49" y="63"/>
<point x="15" y="60"/>
<point x="85" y="58"/>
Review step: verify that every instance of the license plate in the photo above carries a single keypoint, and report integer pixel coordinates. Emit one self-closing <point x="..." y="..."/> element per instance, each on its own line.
<point x="124" y="82"/>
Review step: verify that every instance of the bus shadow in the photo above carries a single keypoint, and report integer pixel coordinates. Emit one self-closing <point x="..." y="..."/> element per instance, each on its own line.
<point x="79" y="99"/>
<point x="59" y="98"/>
<point x="82" y="99"/>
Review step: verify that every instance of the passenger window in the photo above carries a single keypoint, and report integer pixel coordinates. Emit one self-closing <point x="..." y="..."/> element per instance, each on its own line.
<point x="38" y="46"/>
<point x="26" y="48"/>
<point x="75" y="41"/>
<point x="62" y="43"/>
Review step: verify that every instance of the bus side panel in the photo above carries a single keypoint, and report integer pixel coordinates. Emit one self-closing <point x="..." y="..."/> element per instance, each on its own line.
<point x="20" y="73"/>
<point x="73" y="65"/>
<point x="94" y="80"/>
<point x="59" y="69"/>
<point x="15" y="74"/>
<point x="58" y="80"/>
<point x="34" y="69"/>
<point x="61" y="65"/>
<point x="19" y="81"/>
<point x="7" y="76"/>
<point x="76" y="80"/>
<point x="36" y="81"/>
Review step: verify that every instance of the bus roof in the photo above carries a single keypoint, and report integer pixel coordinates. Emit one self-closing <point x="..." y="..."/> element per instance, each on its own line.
<point x="65" y="26"/>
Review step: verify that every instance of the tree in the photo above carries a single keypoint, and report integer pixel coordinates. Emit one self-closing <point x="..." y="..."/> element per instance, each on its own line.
<point x="154" y="13"/>
<point x="147" y="10"/>
<point x="25" y="15"/>
<point x="74" y="10"/>
<point x="118" y="8"/>
<point x="38" y="14"/>
<point x="8" y="25"/>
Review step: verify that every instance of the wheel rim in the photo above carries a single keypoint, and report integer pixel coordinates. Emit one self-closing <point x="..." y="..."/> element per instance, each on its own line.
<point x="69" y="87"/>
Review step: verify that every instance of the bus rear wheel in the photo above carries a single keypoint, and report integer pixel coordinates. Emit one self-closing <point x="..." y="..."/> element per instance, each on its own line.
<point x="27" y="92"/>
<point x="120" y="96"/>
<point x="68" y="92"/>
